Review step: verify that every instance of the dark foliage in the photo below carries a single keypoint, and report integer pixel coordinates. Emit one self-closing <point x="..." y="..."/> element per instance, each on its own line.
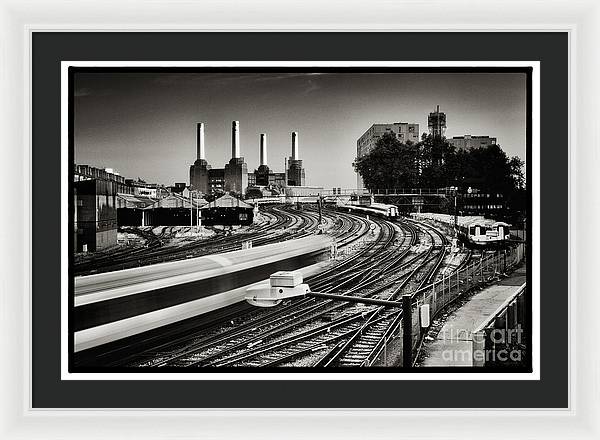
<point x="434" y="163"/>
<point x="391" y="164"/>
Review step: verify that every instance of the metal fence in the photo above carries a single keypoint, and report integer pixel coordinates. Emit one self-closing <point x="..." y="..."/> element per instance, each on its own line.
<point x="443" y="292"/>
<point x="413" y="191"/>
<point x="386" y="191"/>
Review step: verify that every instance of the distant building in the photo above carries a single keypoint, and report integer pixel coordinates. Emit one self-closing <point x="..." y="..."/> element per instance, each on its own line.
<point x="86" y="172"/>
<point x="265" y="177"/>
<point x="436" y="122"/>
<point x="95" y="206"/>
<point x="299" y="191"/>
<point x="295" y="173"/>
<point x="216" y="180"/>
<point x="104" y="200"/>
<point x="145" y="189"/>
<point x="468" y="142"/>
<point x="172" y="210"/>
<point x="199" y="171"/>
<point x="403" y="131"/>
<point x="252" y="180"/>
<point x="227" y="210"/>
<point x="200" y="176"/>
<point x="294" y="168"/>
<point x="234" y="177"/>
<point x="178" y="188"/>
<point x="94" y="214"/>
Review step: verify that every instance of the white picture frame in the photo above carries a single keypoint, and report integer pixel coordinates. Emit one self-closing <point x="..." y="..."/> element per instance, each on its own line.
<point x="581" y="19"/>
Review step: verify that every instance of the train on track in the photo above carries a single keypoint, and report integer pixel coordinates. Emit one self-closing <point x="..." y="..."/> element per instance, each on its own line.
<point x="113" y="305"/>
<point x="474" y="231"/>
<point x="389" y="212"/>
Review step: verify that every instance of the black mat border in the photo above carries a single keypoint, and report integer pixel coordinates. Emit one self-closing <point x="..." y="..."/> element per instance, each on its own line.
<point x="50" y="48"/>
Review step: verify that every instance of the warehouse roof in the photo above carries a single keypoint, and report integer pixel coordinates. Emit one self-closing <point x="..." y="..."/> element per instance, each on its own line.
<point x="177" y="201"/>
<point x="131" y="201"/>
<point x="228" y="201"/>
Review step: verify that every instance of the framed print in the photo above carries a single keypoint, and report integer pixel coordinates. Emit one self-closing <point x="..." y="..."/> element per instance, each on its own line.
<point x="272" y="229"/>
<point x="314" y="318"/>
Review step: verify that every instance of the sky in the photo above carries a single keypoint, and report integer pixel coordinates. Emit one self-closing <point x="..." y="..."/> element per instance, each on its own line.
<point x="144" y="124"/>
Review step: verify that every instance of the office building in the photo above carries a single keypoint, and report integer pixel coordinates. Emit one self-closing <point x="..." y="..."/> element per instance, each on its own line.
<point x="404" y="132"/>
<point x="468" y="142"/>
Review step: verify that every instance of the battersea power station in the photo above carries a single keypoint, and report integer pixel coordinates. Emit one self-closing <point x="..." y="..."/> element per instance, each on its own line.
<point x="234" y="177"/>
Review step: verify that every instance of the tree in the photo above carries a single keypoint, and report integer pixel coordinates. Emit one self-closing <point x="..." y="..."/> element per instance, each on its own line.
<point x="491" y="166"/>
<point x="391" y="164"/>
<point x="435" y="163"/>
<point x="516" y="168"/>
<point x="438" y="162"/>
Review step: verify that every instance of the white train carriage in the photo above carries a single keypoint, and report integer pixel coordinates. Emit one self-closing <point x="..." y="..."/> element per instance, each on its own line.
<point x="276" y="200"/>
<point x="474" y="230"/>
<point x="483" y="232"/>
<point x="389" y="212"/>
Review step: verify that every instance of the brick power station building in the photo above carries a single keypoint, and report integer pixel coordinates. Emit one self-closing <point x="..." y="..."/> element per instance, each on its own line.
<point x="234" y="177"/>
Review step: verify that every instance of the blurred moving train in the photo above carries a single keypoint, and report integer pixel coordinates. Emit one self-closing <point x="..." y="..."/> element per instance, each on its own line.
<point x="114" y="305"/>
<point x="389" y="212"/>
<point x="474" y="231"/>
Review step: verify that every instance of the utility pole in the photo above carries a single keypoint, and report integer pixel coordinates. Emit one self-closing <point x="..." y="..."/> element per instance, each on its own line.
<point x="199" y="220"/>
<point x="197" y="214"/>
<point x="407" y="331"/>
<point x="191" y="212"/>
<point x="455" y="210"/>
<point x="319" y="204"/>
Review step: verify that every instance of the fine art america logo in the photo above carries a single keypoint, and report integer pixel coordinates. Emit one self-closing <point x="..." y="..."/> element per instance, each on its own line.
<point x="490" y="347"/>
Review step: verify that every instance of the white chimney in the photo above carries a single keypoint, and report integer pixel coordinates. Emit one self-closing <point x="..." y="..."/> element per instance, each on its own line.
<point x="235" y="139"/>
<point x="200" y="141"/>
<point x="295" y="155"/>
<point x="263" y="149"/>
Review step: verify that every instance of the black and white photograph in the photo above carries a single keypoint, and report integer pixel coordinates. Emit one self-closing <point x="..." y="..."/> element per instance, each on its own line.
<point x="314" y="219"/>
<point x="299" y="220"/>
<point x="292" y="220"/>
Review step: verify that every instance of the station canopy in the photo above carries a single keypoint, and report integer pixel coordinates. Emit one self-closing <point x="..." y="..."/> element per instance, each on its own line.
<point x="174" y="200"/>
<point x="227" y="201"/>
<point x="134" y="202"/>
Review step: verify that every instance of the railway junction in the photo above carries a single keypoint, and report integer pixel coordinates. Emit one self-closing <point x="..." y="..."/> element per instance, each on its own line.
<point x="348" y="288"/>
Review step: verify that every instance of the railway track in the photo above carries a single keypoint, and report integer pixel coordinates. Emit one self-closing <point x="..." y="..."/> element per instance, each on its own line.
<point x="386" y="262"/>
<point x="346" y="228"/>
<point x="364" y="344"/>
<point x="353" y="343"/>
<point x="319" y="332"/>
<point x="285" y="224"/>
